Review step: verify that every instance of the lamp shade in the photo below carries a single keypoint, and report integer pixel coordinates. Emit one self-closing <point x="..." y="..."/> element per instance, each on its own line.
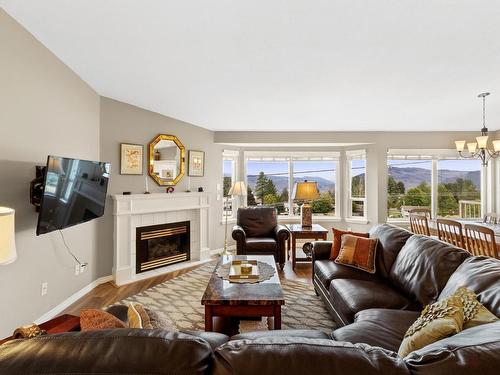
<point x="238" y="189"/>
<point x="460" y="145"/>
<point x="305" y="191"/>
<point x="482" y="141"/>
<point x="8" y="252"/>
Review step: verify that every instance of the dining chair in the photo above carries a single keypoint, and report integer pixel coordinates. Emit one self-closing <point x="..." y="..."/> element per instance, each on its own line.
<point x="421" y="211"/>
<point x="491" y="218"/>
<point x="419" y="224"/>
<point x="481" y="240"/>
<point x="450" y="231"/>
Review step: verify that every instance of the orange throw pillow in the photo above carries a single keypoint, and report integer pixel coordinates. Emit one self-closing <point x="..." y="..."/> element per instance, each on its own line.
<point x="358" y="252"/>
<point x="92" y="319"/>
<point x="337" y="240"/>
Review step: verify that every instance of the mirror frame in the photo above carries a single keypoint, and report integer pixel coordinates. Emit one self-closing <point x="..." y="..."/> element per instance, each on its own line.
<point x="151" y="146"/>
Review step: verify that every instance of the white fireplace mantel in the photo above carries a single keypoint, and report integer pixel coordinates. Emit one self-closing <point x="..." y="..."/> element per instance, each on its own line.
<point x="137" y="210"/>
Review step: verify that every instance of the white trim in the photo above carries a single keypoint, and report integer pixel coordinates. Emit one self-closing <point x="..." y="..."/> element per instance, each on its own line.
<point x="72" y="299"/>
<point x="220" y="250"/>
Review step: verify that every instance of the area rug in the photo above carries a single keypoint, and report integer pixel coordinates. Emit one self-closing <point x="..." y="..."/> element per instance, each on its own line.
<point x="179" y="299"/>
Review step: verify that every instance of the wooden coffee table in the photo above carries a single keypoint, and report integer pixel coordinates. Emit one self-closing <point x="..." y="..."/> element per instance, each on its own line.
<point x="316" y="232"/>
<point x="234" y="300"/>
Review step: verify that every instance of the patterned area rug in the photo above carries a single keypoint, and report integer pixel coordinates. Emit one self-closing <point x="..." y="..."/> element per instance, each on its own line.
<point x="179" y="300"/>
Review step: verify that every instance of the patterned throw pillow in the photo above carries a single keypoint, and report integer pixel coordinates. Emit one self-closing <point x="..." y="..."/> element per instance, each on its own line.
<point x="146" y="321"/>
<point x="437" y="321"/>
<point x="160" y="320"/>
<point x="134" y="318"/>
<point x="358" y="252"/>
<point x="475" y="313"/>
<point x="92" y="319"/>
<point x="337" y="241"/>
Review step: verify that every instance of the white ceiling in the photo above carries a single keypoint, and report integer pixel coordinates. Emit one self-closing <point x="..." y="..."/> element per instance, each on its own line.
<point x="391" y="65"/>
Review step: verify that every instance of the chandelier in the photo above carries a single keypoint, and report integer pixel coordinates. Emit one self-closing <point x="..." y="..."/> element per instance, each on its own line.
<point x="480" y="149"/>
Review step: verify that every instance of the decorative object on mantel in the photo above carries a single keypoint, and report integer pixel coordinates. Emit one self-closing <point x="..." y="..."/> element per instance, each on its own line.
<point x="188" y="190"/>
<point x="265" y="272"/>
<point x="196" y="163"/>
<point x="305" y="191"/>
<point x="169" y="168"/>
<point x="480" y="150"/>
<point x="169" y="190"/>
<point x="200" y="189"/>
<point x="237" y="190"/>
<point x="131" y="159"/>
<point x="8" y="253"/>
<point x="146" y="185"/>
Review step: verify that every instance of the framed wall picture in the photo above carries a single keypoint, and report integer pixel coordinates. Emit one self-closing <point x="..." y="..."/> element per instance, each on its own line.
<point x="196" y="163"/>
<point x="131" y="158"/>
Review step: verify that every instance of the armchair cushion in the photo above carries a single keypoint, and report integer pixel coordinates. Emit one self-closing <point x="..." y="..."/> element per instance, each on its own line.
<point x="261" y="244"/>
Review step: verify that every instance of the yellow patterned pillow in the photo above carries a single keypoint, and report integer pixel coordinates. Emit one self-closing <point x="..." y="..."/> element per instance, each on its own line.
<point x="475" y="313"/>
<point x="437" y="321"/>
<point x="134" y="318"/>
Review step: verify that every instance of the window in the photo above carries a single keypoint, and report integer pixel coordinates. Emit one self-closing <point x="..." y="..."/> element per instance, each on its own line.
<point x="356" y="168"/>
<point x="272" y="175"/>
<point x="459" y="188"/>
<point x="409" y="185"/>
<point x="229" y="165"/>
<point x="433" y="179"/>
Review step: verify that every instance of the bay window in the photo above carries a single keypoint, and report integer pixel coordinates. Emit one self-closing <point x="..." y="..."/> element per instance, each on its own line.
<point x="356" y="183"/>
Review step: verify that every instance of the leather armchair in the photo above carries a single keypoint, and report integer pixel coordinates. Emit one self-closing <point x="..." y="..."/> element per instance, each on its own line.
<point x="257" y="233"/>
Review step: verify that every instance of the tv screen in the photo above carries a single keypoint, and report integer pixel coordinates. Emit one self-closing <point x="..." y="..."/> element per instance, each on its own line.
<point x="74" y="191"/>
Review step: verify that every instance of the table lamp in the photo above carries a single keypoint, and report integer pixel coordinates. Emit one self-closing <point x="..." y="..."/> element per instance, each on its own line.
<point x="8" y="252"/>
<point x="238" y="189"/>
<point x="306" y="192"/>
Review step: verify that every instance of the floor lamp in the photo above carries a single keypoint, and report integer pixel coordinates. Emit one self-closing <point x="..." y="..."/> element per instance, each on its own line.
<point x="238" y="189"/>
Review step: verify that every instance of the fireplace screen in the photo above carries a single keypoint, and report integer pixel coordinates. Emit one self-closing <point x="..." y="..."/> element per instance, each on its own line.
<point x="161" y="245"/>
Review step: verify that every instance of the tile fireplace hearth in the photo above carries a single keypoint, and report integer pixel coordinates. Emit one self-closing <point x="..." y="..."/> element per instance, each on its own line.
<point x="154" y="211"/>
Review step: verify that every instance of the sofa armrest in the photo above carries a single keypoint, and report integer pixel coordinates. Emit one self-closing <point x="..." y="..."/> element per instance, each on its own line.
<point x="281" y="233"/>
<point x="239" y="233"/>
<point x="321" y="250"/>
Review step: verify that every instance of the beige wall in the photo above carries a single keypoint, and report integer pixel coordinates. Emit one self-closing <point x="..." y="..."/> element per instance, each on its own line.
<point x="45" y="109"/>
<point x="124" y="123"/>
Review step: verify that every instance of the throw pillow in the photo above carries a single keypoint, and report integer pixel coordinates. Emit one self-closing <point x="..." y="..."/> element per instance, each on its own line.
<point x="475" y="313"/>
<point x="160" y="320"/>
<point x="92" y="319"/>
<point x="437" y="321"/>
<point x="134" y="318"/>
<point x="146" y="321"/>
<point x="358" y="252"/>
<point x="337" y="241"/>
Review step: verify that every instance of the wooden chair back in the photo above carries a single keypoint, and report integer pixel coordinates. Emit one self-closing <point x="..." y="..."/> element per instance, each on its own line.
<point x="480" y="240"/>
<point x="451" y="231"/>
<point x="491" y="218"/>
<point x="422" y="212"/>
<point x="419" y="224"/>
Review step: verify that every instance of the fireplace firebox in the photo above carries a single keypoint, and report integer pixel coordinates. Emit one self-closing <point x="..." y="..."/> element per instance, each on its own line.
<point x="162" y="245"/>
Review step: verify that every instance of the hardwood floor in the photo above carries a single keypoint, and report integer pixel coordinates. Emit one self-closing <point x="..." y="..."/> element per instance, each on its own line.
<point x="108" y="293"/>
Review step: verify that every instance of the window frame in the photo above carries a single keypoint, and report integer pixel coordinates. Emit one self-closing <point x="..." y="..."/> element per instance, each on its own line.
<point x="352" y="155"/>
<point x="234" y="157"/>
<point x="290" y="157"/>
<point x="434" y="156"/>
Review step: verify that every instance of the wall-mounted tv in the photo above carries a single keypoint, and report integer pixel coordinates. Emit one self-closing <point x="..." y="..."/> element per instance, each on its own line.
<point x="74" y="191"/>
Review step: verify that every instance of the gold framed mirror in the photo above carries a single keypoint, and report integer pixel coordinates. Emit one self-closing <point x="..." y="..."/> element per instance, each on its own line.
<point x="166" y="160"/>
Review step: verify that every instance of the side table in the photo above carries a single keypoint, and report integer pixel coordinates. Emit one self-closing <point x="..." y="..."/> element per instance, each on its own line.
<point x="316" y="232"/>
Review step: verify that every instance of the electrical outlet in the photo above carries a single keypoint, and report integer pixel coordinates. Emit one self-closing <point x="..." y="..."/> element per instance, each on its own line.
<point x="45" y="288"/>
<point x="77" y="269"/>
<point x="83" y="266"/>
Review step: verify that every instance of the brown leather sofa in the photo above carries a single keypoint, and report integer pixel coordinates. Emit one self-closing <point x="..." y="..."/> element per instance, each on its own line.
<point x="257" y="233"/>
<point x="413" y="271"/>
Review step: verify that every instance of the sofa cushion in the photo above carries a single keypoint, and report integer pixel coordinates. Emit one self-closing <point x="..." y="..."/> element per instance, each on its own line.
<point x="307" y="333"/>
<point x="390" y="241"/>
<point x="351" y="296"/>
<point x="378" y="327"/>
<point x="472" y="351"/>
<point x="261" y="244"/>
<point x="298" y="356"/>
<point x="423" y="266"/>
<point x="482" y="276"/>
<point x="327" y="270"/>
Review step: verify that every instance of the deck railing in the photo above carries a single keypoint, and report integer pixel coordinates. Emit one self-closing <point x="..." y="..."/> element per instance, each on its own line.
<point x="469" y="209"/>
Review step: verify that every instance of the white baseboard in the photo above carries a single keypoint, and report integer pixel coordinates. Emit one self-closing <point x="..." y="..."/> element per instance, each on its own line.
<point x="72" y="299"/>
<point x="219" y="251"/>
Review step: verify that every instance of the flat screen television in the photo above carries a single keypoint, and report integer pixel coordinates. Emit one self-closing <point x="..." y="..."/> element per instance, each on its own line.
<point x="74" y="191"/>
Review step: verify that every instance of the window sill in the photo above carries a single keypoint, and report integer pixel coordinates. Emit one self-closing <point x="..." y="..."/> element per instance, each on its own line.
<point x="361" y="220"/>
<point x="316" y="219"/>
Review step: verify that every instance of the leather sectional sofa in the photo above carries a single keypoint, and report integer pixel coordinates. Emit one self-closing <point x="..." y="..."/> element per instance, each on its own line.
<point x="412" y="271"/>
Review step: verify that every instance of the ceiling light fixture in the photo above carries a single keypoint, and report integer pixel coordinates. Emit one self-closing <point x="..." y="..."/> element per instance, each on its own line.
<point x="480" y="149"/>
